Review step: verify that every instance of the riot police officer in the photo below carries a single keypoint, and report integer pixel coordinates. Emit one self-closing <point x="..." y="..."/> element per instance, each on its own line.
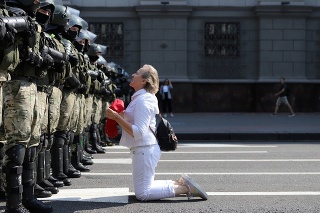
<point x="20" y="114"/>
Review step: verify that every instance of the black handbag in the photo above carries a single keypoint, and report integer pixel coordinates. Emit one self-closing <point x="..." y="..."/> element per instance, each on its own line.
<point x="165" y="135"/>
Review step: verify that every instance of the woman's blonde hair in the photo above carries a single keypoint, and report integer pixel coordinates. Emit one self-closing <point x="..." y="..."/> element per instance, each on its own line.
<point x="151" y="76"/>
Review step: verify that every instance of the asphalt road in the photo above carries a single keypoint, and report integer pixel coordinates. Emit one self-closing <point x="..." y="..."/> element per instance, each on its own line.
<point x="239" y="177"/>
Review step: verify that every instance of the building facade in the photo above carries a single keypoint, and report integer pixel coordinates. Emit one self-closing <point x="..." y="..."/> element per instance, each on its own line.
<point x="221" y="55"/>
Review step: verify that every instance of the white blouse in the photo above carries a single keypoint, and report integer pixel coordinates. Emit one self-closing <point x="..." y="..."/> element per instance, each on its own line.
<point x="141" y="114"/>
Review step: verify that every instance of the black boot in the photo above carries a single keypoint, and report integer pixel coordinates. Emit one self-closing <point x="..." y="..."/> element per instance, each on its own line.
<point x="101" y="138"/>
<point x="68" y="169"/>
<point x="13" y="171"/>
<point x="55" y="182"/>
<point x="57" y="158"/>
<point x="76" y="159"/>
<point x="86" y="139"/>
<point x="40" y="192"/>
<point x="85" y="160"/>
<point x="109" y="141"/>
<point x="45" y="183"/>
<point x="94" y="136"/>
<point x="28" y="198"/>
<point x="2" y="191"/>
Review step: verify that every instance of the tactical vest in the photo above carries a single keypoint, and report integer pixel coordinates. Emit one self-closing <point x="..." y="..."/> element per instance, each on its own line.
<point x="53" y="77"/>
<point x="84" y="77"/>
<point x="70" y="50"/>
<point x="95" y="84"/>
<point x="18" y="67"/>
<point x="9" y="57"/>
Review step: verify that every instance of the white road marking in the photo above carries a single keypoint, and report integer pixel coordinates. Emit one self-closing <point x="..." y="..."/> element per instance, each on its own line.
<point x="128" y="160"/>
<point x="247" y="160"/>
<point x="121" y="195"/>
<point x="113" y="195"/>
<point x="297" y="193"/>
<point x="113" y="161"/>
<point x="213" y="152"/>
<point x="207" y="173"/>
<point x="192" y="145"/>
<point x="201" y="145"/>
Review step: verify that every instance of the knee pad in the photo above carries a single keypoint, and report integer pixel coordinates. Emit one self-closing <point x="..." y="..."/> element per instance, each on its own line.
<point x="15" y="156"/>
<point x="58" y="142"/>
<point x="71" y="137"/>
<point x="50" y="142"/>
<point x="44" y="140"/>
<point x="60" y="138"/>
<point x="1" y="152"/>
<point x="30" y="155"/>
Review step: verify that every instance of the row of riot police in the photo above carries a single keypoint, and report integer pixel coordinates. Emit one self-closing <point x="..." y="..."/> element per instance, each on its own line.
<point x="54" y="89"/>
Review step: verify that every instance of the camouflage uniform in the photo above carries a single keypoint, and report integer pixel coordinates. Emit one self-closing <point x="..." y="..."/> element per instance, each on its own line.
<point x="3" y="78"/>
<point x="77" y="150"/>
<point x="21" y="117"/>
<point x="96" y="113"/>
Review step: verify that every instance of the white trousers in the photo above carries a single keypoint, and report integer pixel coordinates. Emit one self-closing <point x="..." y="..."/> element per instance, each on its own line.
<point x="144" y="162"/>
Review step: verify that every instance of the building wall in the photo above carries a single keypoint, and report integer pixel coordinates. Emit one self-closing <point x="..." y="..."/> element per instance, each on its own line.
<point x="275" y="40"/>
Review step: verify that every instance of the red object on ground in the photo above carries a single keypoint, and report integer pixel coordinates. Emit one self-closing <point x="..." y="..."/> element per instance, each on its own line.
<point x="111" y="125"/>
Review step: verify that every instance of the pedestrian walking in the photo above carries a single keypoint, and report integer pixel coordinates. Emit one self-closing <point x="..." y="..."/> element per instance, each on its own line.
<point x="282" y="98"/>
<point x="165" y="91"/>
<point x="136" y="122"/>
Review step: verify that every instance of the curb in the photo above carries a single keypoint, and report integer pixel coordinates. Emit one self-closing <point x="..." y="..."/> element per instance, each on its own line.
<point x="249" y="136"/>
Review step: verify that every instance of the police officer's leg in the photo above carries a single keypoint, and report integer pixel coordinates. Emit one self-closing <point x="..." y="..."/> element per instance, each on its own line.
<point x="41" y="171"/>
<point x="28" y="182"/>
<point x="68" y="169"/>
<point x="2" y="191"/>
<point x="57" y="157"/>
<point x="77" y="154"/>
<point x="39" y="191"/>
<point x="84" y="157"/>
<point x="86" y="138"/>
<point x="94" y="136"/>
<point x="13" y="172"/>
<point x="47" y="170"/>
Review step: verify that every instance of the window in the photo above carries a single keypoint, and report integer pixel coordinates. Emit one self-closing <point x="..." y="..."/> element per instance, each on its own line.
<point x="222" y="39"/>
<point x="110" y="35"/>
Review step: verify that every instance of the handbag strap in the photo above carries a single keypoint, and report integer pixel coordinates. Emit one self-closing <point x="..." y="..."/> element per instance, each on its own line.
<point x="153" y="133"/>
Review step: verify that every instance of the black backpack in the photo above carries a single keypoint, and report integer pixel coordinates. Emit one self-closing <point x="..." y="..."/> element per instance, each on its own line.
<point x="165" y="135"/>
<point x="287" y="91"/>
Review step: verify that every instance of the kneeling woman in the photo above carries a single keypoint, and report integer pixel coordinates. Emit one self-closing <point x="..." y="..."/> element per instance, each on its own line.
<point x="135" y="122"/>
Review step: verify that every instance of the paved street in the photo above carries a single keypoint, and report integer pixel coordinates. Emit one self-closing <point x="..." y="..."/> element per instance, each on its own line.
<point x="239" y="177"/>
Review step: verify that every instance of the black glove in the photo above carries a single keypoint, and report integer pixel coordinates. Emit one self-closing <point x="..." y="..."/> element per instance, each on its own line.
<point x="83" y="89"/>
<point x="47" y="61"/>
<point x="7" y="35"/>
<point x="34" y="59"/>
<point x="73" y="60"/>
<point x="59" y="67"/>
<point x="31" y="34"/>
<point x="3" y="30"/>
<point x="100" y="77"/>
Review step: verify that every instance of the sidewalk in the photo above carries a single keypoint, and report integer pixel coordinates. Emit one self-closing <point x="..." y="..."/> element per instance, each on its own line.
<point x="246" y="126"/>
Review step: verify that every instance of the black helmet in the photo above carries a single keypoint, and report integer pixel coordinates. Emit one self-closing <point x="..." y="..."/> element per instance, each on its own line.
<point x="27" y="5"/>
<point x="94" y="49"/>
<point x="102" y="61"/>
<point x="87" y="35"/>
<point x="23" y="2"/>
<point x="74" y="12"/>
<point x="48" y="4"/>
<point x="61" y="15"/>
<point x="76" y="21"/>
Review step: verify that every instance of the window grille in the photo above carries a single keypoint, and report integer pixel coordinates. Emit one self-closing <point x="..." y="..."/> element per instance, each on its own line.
<point x="222" y="39"/>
